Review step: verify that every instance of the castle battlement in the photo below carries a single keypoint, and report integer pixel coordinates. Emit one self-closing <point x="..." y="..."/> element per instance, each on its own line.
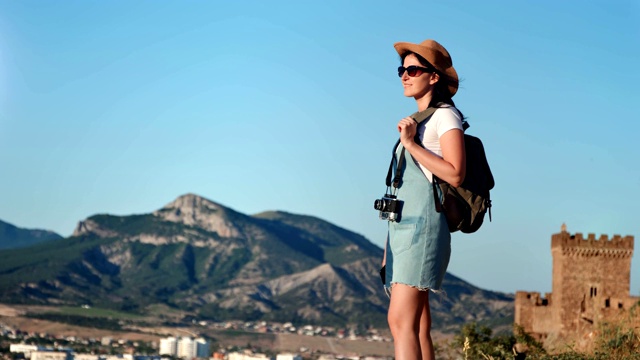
<point x="532" y="298"/>
<point x="590" y="244"/>
<point x="591" y="278"/>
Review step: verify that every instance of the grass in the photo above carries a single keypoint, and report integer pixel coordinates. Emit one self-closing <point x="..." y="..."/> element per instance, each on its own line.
<point x="97" y="313"/>
<point x="92" y="317"/>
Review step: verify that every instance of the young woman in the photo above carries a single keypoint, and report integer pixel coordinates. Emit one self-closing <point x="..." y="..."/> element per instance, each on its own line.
<point x="419" y="244"/>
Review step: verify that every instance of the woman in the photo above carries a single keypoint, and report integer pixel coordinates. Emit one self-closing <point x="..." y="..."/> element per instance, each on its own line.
<point x="419" y="244"/>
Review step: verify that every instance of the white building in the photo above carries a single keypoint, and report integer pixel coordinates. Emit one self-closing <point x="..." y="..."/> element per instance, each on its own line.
<point x="51" y="355"/>
<point x="185" y="347"/>
<point x="86" y="357"/>
<point x="25" y="349"/>
<point x="288" y="357"/>
<point x="118" y="357"/>
<point x="247" y="356"/>
<point x="168" y="346"/>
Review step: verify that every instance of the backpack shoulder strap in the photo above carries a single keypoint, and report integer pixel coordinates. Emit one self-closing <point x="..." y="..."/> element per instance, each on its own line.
<point x="423" y="115"/>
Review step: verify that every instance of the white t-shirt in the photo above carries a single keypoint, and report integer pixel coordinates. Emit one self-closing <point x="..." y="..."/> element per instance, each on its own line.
<point x="442" y="120"/>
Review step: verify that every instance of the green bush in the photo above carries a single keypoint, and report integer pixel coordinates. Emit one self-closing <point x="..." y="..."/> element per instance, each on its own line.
<point x="476" y="342"/>
<point x="614" y="342"/>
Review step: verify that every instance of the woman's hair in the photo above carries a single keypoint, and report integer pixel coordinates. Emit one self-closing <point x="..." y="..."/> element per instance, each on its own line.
<point x="440" y="91"/>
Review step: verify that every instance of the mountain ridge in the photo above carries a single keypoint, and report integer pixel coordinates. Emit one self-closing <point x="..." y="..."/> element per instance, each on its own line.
<point x="12" y="237"/>
<point x="197" y="255"/>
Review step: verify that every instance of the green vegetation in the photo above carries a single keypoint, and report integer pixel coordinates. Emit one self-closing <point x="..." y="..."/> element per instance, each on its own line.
<point x="42" y="261"/>
<point x="97" y="313"/>
<point x="144" y="224"/>
<point x="99" y="318"/>
<point x="321" y="240"/>
<point x="613" y="342"/>
<point x="79" y="320"/>
<point x="192" y="270"/>
<point x="12" y="237"/>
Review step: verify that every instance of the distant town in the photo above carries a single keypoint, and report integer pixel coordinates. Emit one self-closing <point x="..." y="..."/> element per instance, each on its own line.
<point x="16" y="345"/>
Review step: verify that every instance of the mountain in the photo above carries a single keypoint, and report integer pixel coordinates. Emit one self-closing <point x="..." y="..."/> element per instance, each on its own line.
<point x="199" y="256"/>
<point x="12" y="237"/>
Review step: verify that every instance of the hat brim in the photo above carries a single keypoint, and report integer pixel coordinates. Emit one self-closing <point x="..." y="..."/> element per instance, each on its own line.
<point x="428" y="53"/>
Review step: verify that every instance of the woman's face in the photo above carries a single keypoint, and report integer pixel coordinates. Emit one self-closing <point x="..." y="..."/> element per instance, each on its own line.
<point x="420" y="84"/>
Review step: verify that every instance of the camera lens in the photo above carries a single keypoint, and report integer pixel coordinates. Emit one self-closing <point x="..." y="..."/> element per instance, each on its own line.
<point x="377" y="204"/>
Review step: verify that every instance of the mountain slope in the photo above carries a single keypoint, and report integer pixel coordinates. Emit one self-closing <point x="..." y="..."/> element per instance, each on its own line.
<point x="12" y="237"/>
<point x="202" y="257"/>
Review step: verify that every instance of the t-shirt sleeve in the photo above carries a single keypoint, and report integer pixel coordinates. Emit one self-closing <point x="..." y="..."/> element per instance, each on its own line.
<point x="447" y="119"/>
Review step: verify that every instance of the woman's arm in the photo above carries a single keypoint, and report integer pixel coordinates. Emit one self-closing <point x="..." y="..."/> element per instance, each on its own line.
<point x="451" y="166"/>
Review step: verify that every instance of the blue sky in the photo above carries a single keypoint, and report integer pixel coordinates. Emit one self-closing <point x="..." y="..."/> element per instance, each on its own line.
<point x="120" y="107"/>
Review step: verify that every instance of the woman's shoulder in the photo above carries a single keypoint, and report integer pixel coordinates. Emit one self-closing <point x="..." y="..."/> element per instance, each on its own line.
<point x="447" y="113"/>
<point x="447" y="109"/>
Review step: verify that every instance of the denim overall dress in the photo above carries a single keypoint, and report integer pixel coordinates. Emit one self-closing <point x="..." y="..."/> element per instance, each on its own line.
<point x="419" y="244"/>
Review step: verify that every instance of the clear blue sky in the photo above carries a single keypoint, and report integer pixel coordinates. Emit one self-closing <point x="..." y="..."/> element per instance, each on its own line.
<point x="121" y="106"/>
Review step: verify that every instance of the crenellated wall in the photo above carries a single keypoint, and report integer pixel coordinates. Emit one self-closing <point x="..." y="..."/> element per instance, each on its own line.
<point x="579" y="242"/>
<point x="591" y="280"/>
<point x="533" y="313"/>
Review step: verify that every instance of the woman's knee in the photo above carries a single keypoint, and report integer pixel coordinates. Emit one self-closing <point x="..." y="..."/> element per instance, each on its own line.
<point x="401" y="322"/>
<point x="405" y="309"/>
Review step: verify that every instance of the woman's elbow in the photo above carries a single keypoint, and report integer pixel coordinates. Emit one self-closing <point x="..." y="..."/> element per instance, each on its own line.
<point x="455" y="183"/>
<point x="457" y="180"/>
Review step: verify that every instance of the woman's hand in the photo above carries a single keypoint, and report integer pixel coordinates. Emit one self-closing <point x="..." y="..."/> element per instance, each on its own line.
<point x="407" y="128"/>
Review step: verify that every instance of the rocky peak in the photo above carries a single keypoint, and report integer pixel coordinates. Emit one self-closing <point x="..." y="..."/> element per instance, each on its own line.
<point x="89" y="226"/>
<point x="194" y="210"/>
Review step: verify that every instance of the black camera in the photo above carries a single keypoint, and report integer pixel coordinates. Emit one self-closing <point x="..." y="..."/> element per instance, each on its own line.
<point x="389" y="207"/>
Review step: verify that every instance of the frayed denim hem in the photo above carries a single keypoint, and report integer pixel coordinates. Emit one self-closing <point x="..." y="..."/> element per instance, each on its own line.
<point x="387" y="289"/>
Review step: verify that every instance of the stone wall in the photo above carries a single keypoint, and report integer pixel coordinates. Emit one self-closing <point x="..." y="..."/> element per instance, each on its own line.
<point x="590" y="285"/>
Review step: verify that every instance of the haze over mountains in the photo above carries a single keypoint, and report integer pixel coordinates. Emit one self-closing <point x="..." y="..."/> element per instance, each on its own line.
<point x="12" y="237"/>
<point x="205" y="258"/>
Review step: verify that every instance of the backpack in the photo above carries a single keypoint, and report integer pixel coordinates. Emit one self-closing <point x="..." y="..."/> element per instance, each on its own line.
<point x="464" y="206"/>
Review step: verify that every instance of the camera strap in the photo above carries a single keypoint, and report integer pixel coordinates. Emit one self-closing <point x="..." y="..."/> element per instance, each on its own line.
<point x="398" y="177"/>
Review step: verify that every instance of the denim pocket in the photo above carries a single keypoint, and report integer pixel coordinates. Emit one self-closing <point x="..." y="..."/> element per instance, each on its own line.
<point x="401" y="237"/>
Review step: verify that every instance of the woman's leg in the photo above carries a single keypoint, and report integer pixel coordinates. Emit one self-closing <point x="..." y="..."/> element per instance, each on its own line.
<point x="426" y="344"/>
<point x="405" y="312"/>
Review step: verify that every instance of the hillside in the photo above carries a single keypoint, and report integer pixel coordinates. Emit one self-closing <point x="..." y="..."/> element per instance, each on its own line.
<point x="12" y="237"/>
<point x="199" y="256"/>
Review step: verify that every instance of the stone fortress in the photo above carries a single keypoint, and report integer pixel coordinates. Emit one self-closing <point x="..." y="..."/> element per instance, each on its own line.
<point x="591" y="280"/>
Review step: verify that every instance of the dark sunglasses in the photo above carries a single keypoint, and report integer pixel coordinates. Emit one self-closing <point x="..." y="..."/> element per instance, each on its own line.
<point x="413" y="70"/>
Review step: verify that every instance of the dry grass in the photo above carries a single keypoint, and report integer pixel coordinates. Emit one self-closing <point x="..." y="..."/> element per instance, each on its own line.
<point x="55" y="328"/>
<point x="12" y="315"/>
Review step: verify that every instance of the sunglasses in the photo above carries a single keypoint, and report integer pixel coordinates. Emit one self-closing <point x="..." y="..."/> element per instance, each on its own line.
<point x="413" y="70"/>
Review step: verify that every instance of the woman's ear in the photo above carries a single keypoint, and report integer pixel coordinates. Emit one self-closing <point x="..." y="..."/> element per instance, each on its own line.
<point x="434" y="78"/>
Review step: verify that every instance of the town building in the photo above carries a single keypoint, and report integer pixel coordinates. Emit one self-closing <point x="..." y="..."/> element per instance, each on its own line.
<point x="185" y="347"/>
<point x="590" y="285"/>
<point x="168" y="346"/>
<point x="117" y="357"/>
<point x="25" y="349"/>
<point x="288" y="357"/>
<point x="86" y="357"/>
<point x="51" y="355"/>
<point x="247" y="355"/>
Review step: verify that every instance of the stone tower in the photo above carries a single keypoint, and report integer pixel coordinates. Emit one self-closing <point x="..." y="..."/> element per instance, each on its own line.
<point x="591" y="279"/>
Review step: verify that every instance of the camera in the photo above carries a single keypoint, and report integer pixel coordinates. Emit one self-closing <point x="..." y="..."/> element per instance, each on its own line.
<point x="389" y="207"/>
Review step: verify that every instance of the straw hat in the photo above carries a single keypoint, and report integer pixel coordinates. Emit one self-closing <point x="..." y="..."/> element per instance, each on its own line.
<point x="437" y="56"/>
